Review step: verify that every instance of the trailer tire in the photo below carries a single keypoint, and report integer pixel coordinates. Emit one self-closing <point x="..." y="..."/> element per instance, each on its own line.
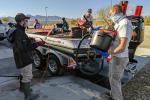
<point x="82" y="72"/>
<point x="38" y="61"/>
<point x="54" y="65"/>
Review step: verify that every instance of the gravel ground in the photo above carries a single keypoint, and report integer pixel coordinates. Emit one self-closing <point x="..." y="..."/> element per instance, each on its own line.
<point x="146" y="41"/>
<point x="139" y="87"/>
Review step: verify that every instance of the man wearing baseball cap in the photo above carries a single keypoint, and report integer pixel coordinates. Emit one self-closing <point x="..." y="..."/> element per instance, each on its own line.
<point x="88" y="18"/>
<point x="22" y="49"/>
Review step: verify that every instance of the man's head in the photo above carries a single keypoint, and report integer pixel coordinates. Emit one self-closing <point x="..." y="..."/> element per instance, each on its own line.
<point x="89" y="12"/>
<point x="63" y="19"/>
<point x="116" y="9"/>
<point x="22" y="20"/>
<point x="36" y="20"/>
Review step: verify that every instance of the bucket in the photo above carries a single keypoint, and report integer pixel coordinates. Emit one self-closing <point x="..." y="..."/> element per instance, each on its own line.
<point x="101" y="40"/>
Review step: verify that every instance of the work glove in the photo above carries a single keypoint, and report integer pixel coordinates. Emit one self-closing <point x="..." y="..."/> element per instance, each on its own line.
<point x="102" y="53"/>
<point x="105" y="54"/>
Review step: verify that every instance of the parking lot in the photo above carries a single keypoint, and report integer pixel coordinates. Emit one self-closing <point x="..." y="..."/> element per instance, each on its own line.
<point x="67" y="86"/>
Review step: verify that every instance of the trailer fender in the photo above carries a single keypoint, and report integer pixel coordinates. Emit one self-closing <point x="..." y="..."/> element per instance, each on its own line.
<point x="57" y="54"/>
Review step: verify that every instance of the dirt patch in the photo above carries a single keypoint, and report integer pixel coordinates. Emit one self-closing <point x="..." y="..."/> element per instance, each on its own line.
<point x="139" y="87"/>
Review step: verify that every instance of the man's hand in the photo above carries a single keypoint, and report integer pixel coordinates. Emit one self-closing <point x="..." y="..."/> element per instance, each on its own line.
<point x="122" y="45"/>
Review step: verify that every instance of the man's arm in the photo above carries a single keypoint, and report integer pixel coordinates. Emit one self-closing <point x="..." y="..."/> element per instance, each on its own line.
<point x="122" y="46"/>
<point x="122" y="33"/>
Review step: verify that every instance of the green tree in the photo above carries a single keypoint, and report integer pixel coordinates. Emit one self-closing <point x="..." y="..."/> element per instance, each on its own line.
<point x="73" y="22"/>
<point x="5" y="19"/>
<point x="102" y="13"/>
<point x="147" y="20"/>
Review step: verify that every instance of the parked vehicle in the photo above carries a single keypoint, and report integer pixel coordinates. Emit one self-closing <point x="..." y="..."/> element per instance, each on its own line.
<point x="3" y="31"/>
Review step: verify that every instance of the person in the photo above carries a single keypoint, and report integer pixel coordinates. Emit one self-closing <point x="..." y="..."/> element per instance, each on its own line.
<point x="65" y="25"/>
<point x="119" y="50"/>
<point x="88" y="18"/>
<point x="22" y="49"/>
<point x="37" y="25"/>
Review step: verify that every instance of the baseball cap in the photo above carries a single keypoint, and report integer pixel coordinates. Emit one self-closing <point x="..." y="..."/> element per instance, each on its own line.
<point x="89" y="10"/>
<point x="20" y="16"/>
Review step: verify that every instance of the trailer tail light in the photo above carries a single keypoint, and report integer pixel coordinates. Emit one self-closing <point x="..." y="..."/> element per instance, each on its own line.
<point x="138" y="10"/>
<point x="72" y="63"/>
<point x="124" y="5"/>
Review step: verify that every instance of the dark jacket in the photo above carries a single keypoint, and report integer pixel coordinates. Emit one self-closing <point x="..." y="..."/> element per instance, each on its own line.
<point x="22" y="47"/>
<point x="65" y="25"/>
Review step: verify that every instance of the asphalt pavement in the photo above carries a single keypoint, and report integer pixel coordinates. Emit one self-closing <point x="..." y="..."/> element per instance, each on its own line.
<point x="65" y="87"/>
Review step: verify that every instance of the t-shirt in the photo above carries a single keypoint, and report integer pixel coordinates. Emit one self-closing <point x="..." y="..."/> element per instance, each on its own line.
<point x="124" y="29"/>
<point x="89" y="18"/>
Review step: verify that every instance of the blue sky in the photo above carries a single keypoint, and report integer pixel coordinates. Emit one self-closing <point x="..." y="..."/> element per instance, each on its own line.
<point x="64" y="8"/>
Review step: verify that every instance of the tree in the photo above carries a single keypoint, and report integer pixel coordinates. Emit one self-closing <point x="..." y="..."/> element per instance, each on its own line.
<point x="103" y="17"/>
<point x="5" y="19"/>
<point x="73" y="22"/>
<point x="102" y="13"/>
<point x="147" y="20"/>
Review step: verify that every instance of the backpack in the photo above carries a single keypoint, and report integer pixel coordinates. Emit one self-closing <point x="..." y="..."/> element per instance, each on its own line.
<point x="10" y="34"/>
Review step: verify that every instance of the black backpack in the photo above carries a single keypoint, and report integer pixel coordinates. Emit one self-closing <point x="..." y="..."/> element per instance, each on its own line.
<point x="10" y="34"/>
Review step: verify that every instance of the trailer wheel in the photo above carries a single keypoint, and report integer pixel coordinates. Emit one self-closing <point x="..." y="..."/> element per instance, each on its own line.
<point x="54" y="66"/>
<point x="38" y="62"/>
<point x="88" y="72"/>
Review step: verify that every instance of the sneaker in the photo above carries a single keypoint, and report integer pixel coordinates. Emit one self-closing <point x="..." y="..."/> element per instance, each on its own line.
<point x="131" y="68"/>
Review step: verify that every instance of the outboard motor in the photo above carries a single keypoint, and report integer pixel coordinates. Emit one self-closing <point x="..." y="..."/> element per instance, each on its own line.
<point x="137" y="36"/>
<point x="138" y="32"/>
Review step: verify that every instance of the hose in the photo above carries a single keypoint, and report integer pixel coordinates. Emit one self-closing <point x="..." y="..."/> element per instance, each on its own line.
<point x="76" y="57"/>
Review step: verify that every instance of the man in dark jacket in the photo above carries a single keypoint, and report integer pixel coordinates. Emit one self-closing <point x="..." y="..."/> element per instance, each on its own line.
<point x="65" y="25"/>
<point x="22" y="49"/>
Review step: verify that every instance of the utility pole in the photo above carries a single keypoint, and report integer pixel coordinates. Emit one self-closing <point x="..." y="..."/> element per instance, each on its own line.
<point x="111" y="3"/>
<point x="46" y="14"/>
